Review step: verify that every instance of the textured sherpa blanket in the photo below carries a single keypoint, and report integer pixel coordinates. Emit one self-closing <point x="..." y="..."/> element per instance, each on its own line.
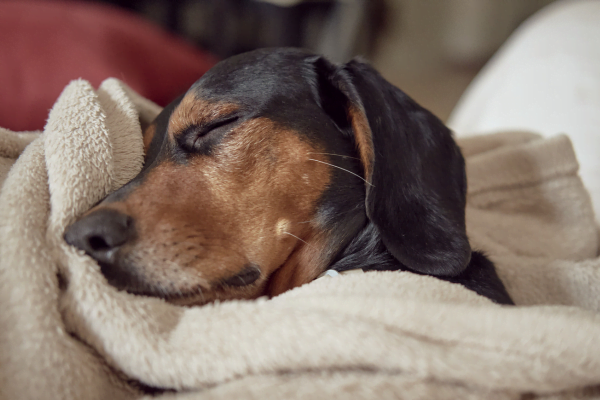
<point x="66" y="334"/>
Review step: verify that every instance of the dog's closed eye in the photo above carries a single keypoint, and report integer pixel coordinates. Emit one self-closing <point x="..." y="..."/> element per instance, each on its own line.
<point x="199" y="139"/>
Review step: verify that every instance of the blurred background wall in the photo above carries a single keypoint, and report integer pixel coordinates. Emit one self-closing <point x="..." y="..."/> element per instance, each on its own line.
<point x="431" y="49"/>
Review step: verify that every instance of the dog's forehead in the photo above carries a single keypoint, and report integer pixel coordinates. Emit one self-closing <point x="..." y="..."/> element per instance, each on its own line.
<point x="276" y="84"/>
<point x="256" y="78"/>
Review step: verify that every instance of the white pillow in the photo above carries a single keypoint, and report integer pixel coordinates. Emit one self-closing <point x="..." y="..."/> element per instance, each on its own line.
<point x="546" y="79"/>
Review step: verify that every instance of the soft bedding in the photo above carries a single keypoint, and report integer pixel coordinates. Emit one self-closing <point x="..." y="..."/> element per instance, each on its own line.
<point x="66" y="334"/>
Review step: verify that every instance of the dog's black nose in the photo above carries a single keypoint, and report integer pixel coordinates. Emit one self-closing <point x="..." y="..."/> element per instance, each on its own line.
<point x="101" y="234"/>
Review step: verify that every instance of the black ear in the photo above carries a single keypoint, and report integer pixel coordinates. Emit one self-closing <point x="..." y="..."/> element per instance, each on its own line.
<point x="416" y="188"/>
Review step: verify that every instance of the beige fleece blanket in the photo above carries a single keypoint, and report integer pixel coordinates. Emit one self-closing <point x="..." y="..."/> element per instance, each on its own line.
<point x="66" y="334"/>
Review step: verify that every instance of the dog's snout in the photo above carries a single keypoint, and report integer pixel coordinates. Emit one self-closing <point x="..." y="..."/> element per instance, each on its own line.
<point x="101" y="234"/>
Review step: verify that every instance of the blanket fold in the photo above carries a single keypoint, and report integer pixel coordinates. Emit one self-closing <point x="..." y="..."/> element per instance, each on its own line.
<point x="65" y="333"/>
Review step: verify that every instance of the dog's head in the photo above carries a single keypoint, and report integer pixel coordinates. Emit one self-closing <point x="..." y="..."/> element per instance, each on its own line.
<point x="259" y="176"/>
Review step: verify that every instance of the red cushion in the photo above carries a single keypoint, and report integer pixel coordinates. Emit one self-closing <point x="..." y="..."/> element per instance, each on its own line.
<point x="45" y="45"/>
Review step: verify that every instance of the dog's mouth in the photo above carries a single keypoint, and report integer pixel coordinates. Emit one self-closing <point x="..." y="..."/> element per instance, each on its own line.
<point x="243" y="284"/>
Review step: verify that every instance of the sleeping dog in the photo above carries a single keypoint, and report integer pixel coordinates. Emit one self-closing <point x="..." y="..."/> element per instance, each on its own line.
<point x="276" y="166"/>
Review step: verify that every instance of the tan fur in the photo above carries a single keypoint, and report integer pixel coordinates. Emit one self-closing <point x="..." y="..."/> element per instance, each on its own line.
<point x="364" y="139"/>
<point x="148" y="136"/>
<point x="248" y="202"/>
<point x="195" y="111"/>
<point x="302" y="267"/>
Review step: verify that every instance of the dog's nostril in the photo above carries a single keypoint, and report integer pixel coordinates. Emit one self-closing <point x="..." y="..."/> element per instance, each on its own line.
<point x="101" y="233"/>
<point x="98" y="243"/>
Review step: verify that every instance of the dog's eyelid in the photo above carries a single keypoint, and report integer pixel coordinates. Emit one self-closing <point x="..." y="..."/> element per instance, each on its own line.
<point x="230" y="119"/>
<point x="205" y="128"/>
<point x="192" y="136"/>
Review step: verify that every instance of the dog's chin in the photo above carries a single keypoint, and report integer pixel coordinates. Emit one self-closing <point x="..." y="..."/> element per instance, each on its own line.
<point x="192" y="299"/>
<point x="202" y="293"/>
<point x="201" y="296"/>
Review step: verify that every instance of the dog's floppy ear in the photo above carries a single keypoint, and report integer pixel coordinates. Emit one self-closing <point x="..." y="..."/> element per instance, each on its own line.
<point x="416" y="188"/>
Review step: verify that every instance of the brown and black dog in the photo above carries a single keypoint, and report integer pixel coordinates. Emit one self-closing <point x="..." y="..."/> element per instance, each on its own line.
<point x="276" y="166"/>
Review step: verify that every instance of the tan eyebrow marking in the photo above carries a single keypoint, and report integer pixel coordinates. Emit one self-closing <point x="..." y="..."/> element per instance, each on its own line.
<point x="195" y="111"/>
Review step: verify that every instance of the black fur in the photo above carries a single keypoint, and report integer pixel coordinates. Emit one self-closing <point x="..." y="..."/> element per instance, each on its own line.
<point x="416" y="204"/>
<point x="411" y="218"/>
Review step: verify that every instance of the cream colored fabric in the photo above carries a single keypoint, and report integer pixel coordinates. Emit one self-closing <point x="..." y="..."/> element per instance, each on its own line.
<point x="357" y="336"/>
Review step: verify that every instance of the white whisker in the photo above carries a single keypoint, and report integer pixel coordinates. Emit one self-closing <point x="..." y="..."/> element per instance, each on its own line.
<point x="308" y="244"/>
<point x="339" y="155"/>
<point x="343" y="169"/>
